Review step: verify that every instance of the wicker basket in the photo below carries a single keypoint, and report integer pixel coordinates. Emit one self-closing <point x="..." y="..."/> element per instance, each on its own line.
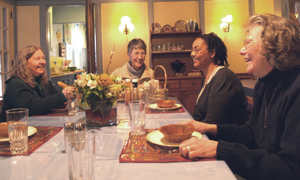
<point x="161" y="94"/>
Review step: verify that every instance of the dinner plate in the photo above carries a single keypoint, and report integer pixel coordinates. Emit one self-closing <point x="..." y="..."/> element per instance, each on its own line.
<point x="31" y="131"/>
<point x="180" y="26"/>
<point x="154" y="106"/>
<point x="156" y="137"/>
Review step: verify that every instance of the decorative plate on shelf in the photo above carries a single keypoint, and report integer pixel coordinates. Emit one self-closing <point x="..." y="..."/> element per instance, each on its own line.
<point x="167" y="28"/>
<point x="156" y="28"/>
<point x="180" y="26"/>
<point x="173" y="29"/>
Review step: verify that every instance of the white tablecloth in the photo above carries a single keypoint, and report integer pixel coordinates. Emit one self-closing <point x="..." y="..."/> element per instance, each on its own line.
<point x="49" y="162"/>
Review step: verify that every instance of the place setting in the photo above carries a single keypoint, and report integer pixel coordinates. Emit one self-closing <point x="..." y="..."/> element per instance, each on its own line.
<point x="160" y="145"/>
<point x="17" y="138"/>
<point x="165" y="106"/>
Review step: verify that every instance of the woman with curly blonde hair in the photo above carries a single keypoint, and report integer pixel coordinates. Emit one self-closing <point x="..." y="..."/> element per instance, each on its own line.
<point x="29" y="87"/>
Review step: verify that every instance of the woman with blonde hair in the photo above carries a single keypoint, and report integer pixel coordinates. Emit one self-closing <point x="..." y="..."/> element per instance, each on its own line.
<point x="29" y="87"/>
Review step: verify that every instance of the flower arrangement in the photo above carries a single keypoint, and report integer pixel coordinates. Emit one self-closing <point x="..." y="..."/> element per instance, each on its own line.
<point x="100" y="92"/>
<point x="99" y="87"/>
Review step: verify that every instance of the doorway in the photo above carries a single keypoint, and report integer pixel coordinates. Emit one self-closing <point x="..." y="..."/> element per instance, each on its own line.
<point x="67" y="37"/>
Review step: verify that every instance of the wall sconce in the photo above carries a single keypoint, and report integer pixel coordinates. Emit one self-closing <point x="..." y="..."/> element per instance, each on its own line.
<point x="225" y="25"/>
<point x="126" y="26"/>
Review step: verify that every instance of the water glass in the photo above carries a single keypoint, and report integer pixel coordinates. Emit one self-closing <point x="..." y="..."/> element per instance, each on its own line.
<point x="73" y="103"/>
<point x="80" y="148"/>
<point x="17" y="120"/>
<point x="137" y="117"/>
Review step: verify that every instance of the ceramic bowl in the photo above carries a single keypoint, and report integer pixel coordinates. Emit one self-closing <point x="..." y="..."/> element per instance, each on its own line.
<point x="176" y="133"/>
<point x="165" y="103"/>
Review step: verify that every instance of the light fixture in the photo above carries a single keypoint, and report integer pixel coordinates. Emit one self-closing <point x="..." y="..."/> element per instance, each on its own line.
<point x="126" y="26"/>
<point x="225" y="25"/>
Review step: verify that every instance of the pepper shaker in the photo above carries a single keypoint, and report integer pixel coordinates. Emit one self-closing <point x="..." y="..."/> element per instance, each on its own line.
<point x="80" y="126"/>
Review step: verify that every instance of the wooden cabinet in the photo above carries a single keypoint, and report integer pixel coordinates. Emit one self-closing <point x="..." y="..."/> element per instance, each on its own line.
<point x="164" y="56"/>
<point x="184" y="88"/>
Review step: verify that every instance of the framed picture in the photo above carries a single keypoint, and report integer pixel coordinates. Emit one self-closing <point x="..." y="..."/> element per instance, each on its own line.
<point x="62" y="49"/>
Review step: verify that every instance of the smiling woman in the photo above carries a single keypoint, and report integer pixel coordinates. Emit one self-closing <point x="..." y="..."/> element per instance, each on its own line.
<point x="135" y="68"/>
<point x="221" y="99"/>
<point x="29" y="87"/>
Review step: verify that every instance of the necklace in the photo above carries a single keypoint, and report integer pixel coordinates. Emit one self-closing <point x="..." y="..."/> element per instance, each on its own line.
<point x="267" y="107"/>
<point x="216" y="68"/>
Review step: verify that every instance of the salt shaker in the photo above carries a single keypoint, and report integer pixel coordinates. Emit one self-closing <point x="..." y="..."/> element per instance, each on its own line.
<point x="68" y="128"/>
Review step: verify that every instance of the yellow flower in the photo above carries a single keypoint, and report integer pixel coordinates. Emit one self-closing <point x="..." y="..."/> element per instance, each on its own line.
<point x="105" y="80"/>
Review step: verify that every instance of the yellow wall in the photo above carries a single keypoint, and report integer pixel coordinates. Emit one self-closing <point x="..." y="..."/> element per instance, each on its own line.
<point x="214" y="12"/>
<point x="265" y="6"/>
<point x="28" y="23"/>
<point x="181" y="10"/>
<point x="111" y="14"/>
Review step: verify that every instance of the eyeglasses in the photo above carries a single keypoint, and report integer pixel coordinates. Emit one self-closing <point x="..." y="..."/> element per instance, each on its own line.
<point x="137" y="54"/>
<point x="247" y="43"/>
<point x="198" y="51"/>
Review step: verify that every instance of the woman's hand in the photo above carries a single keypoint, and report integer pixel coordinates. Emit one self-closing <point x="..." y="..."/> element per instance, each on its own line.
<point x="195" y="147"/>
<point x="67" y="90"/>
<point x="202" y="127"/>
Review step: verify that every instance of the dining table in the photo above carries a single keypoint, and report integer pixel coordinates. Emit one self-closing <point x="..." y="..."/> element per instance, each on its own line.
<point x="50" y="162"/>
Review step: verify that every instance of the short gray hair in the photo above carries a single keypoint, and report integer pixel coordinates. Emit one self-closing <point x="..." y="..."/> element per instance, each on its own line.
<point x="136" y="43"/>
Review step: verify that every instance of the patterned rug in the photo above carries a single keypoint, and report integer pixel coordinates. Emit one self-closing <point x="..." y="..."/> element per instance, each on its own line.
<point x="42" y="135"/>
<point x="138" y="150"/>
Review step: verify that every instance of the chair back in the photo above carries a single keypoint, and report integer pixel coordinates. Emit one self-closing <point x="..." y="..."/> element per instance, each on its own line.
<point x="249" y="105"/>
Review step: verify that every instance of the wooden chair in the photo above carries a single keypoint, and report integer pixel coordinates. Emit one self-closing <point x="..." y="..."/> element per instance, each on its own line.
<point x="249" y="105"/>
<point x="1" y="104"/>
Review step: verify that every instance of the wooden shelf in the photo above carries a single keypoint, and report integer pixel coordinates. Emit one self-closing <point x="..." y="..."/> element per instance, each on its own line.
<point x="177" y="33"/>
<point x="165" y="58"/>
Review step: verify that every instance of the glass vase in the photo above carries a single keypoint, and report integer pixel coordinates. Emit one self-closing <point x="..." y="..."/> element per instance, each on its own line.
<point x="101" y="113"/>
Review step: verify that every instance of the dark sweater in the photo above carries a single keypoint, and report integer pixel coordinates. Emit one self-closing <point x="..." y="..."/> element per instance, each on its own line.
<point x="267" y="149"/>
<point x="222" y="100"/>
<point x="19" y="94"/>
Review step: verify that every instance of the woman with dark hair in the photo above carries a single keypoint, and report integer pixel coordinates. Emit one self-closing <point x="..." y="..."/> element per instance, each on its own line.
<point x="135" y="68"/>
<point x="29" y="87"/>
<point x="221" y="98"/>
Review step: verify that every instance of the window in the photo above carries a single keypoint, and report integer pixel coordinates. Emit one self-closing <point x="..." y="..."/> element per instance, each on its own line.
<point x="5" y="46"/>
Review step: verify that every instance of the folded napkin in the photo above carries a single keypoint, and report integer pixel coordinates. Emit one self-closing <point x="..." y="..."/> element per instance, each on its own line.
<point x="138" y="150"/>
<point x="42" y="135"/>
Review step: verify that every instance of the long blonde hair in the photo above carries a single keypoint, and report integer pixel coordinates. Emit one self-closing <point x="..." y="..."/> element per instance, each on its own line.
<point x="21" y="70"/>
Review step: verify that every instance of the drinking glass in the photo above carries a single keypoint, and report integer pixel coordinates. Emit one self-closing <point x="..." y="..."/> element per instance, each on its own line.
<point x="80" y="148"/>
<point x="73" y="103"/>
<point x="137" y="117"/>
<point x="17" y="120"/>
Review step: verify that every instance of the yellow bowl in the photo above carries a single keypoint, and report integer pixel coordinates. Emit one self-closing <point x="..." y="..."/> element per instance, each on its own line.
<point x="176" y="133"/>
<point x="165" y="103"/>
